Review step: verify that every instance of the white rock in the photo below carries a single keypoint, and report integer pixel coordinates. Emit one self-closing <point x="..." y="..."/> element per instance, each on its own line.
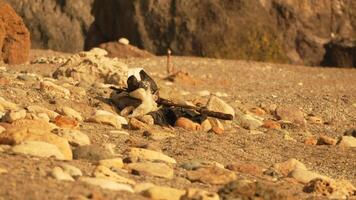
<point x="148" y="102"/>
<point x="40" y="149"/>
<point x="106" y="173"/>
<point x="348" y="141"/>
<point x="204" y="93"/>
<point x="304" y="176"/>
<point x="54" y="90"/>
<point x="218" y="105"/>
<point x="124" y="41"/>
<point x="12" y="116"/>
<point x="107" y="184"/>
<point x="145" y="154"/>
<point x="43" y="116"/>
<point x="75" y="137"/>
<point x="60" y="175"/>
<point x="71" y="170"/>
<point x="105" y="117"/>
<point x="40" y="109"/>
<point x="69" y="112"/>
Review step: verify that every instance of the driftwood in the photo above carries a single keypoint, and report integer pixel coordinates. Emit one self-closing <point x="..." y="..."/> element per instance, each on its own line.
<point x="202" y="111"/>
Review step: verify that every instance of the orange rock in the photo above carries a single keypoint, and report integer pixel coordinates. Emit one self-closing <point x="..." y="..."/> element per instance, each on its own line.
<point x="247" y="168"/>
<point x="66" y="122"/>
<point x="136" y="124"/>
<point x="270" y="124"/>
<point x="257" y="111"/>
<point x="15" y="40"/>
<point x="187" y="124"/>
<point x="218" y="130"/>
<point x="311" y="141"/>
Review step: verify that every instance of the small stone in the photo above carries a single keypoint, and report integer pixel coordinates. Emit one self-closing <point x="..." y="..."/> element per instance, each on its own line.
<point x="250" y="122"/>
<point x="119" y="133"/>
<point x="92" y="152"/>
<point x="60" y="175"/>
<point x="124" y="41"/>
<point x="71" y="170"/>
<point x="69" y="112"/>
<point x="43" y="116"/>
<point x="218" y="105"/>
<point x="40" y="149"/>
<point x="290" y="113"/>
<point x="75" y="137"/>
<point x="39" y="109"/>
<point x="66" y="122"/>
<point x="187" y="124"/>
<point x="3" y="171"/>
<point x="106" y="173"/>
<point x="163" y="193"/>
<point x="54" y="90"/>
<point x="217" y="126"/>
<point x="194" y="193"/>
<point x="107" y="184"/>
<point x="114" y="163"/>
<point x="246" y="168"/>
<point x="315" y="120"/>
<point x="104" y="117"/>
<point x="304" y="176"/>
<point x="311" y="141"/>
<point x="204" y="93"/>
<point x="288" y="166"/>
<point x="136" y="124"/>
<point x="206" y="125"/>
<point x="136" y="154"/>
<point x="158" y="134"/>
<point x="148" y="119"/>
<point x="151" y="169"/>
<point x="258" y="111"/>
<point x="347" y="141"/>
<point x="7" y="105"/>
<point x="212" y="175"/>
<point x="332" y="189"/>
<point x="270" y="124"/>
<point x="326" y="140"/>
<point x="12" y="116"/>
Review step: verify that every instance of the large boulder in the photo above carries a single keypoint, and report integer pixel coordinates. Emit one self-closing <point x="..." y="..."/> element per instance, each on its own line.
<point x="14" y="36"/>
<point x="57" y="25"/>
<point x="266" y="30"/>
<point x="340" y="53"/>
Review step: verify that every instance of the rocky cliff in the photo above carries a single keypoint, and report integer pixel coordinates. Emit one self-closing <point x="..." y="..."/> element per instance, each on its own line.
<point x="291" y="31"/>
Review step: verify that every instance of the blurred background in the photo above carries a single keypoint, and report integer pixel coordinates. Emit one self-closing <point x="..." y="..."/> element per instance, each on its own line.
<point x="306" y="32"/>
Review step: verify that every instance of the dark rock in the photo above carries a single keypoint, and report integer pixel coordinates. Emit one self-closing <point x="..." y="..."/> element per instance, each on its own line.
<point x="351" y="132"/>
<point x="57" y="25"/>
<point x="340" y="53"/>
<point x="14" y="37"/>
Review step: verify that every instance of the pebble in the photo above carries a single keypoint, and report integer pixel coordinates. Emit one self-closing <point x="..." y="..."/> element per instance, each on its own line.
<point x="250" y="122"/>
<point x="304" y="176"/>
<point x="69" y="112"/>
<point x="288" y="166"/>
<point x="206" y="125"/>
<point x="107" y="184"/>
<point x="114" y="163"/>
<point x="74" y="137"/>
<point x="158" y="135"/>
<point x="105" y="117"/>
<point x="106" y="173"/>
<point x="43" y="116"/>
<point x="270" y="124"/>
<point x="326" y="140"/>
<point x="147" y="119"/>
<point x="136" y="124"/>
<point x="66" y="122"/>
<point x="60" y="175"/>
<point x="40" y="149"/>
<point x="151" y="169"/>
<point x="54" y="89"/>
<point x="218" y="105"/>
<point x="217" y="126"/>
<point x="140" y="154"/>
<point x="2" y="129"/>
<point x="290" y="113"/>
<point x="204" y="93"/>
<point x="12" y="116"/>
<point x="246" y="168"/>
<point x="212" y="175"/>
<point x="7" y="105"/>
<point x="3" y="171"/>
<point x="311" y="141"/>
<point x="194" y="193"/>
<point x="347" y="141"/>
<point x="187" y="124"/>
<point x="124" y="41"/>
<point x="40" y="109"/>
<point x="92" y="152"/>
<point x="257" y="111"/>
<point x="119" y="132"/>
<point x="71" y="170"/>
<point x="163" y="193"/>
<point x="315" y="120"/>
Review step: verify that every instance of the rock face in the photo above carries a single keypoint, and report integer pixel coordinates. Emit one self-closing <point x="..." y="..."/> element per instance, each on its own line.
<point x="58" y="25"/>
<point x="292" y="30"/>
<point x="14" y="36"/>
